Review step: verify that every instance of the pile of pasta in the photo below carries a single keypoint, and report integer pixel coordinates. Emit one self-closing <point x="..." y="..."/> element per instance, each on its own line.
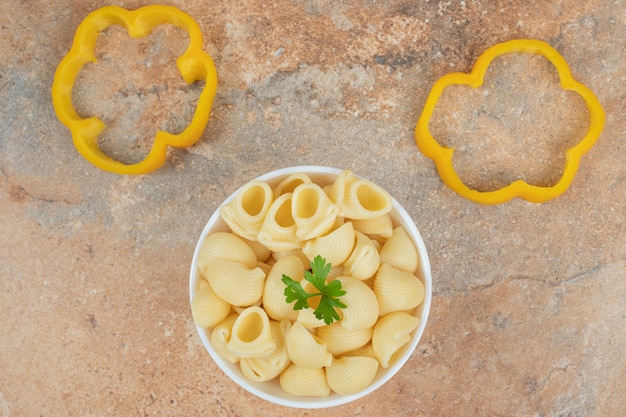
<point x="279" y="231"/>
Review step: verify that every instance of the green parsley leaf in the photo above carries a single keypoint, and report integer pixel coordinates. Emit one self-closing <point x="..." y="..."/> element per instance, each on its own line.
<point x="294" y="291"/>
<point x="330" y="293"/>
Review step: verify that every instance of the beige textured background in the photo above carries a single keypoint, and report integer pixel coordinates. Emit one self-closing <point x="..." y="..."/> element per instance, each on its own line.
<point x="529" y="307"/>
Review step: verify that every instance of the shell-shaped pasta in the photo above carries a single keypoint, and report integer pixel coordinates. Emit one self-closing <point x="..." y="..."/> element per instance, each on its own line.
<point x="378" y="226"/>
<point x="290" y="183"/>
<point x="339" y="340"/>
<point x="225" y="245"/>
<point x="361" y="310"/>
<point x="278" y="232"/>
<point x="260" y="250"/>
<point x="305" y="382"/>
<point x="267" y="367"/>
<point x="397" y="290"/>
<point x="337" y="191"/>
<point x="364" y="199"/>
<point x="312" y="210"/>
<point x="307" y="318"/>
<point x="359" y="198"/>
<point x="220" y="336"/>
<point x="364" y="260"/>
<point x="207" y="309"/>
<point x="246" y="212"/>
<point x="273" y="292"/>
<point x="351" y="374"/>
<point x="235" y="283"/>
<point x="335" y="247"/>
<point x="251" y="335"/>
<point x="305" y="349"/>
<point x="391" y="333"/>
<point x="399" y="251"/>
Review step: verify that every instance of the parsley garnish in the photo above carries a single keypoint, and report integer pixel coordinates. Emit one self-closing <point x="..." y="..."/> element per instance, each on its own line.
<point x="329" y="293"/>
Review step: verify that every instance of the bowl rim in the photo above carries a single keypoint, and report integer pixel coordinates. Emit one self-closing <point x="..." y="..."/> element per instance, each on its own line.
<point x="424" y="272"/>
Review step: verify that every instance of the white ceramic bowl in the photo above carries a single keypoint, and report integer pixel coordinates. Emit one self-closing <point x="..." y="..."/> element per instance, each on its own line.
<point x="271" y="390"/>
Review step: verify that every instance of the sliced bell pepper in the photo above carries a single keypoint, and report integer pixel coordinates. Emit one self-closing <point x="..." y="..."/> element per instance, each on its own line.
<point x="194" y="65"/>
<point x="442" y="156"/>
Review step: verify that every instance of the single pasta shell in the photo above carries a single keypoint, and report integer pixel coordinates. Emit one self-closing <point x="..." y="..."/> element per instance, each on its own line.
<point x="207" y="309"/>
<point x="312" y="210"/>
<point x="235" y="283"/>
<point x="334" y="247"/>
<point x="364" y="199"/>
<point x="251" y="335"/>
<point x="378" y="226"/>
<point x="337" y="190"/>
<point x="391" y="333"/>
<point x="273" y="292"/>
<point x="399" y="251"/>
<point x="270" y="366"/>
<point x="364" y="260"/>
<point x="228" y="246"/>
<point x="397" y="290"/>
<point x="304" y="382"/>
<point x="349" y="375"/>
<point x="278" y="232"/>
<point x="245" y="214"/>
<point x="305" y="349"/>
<point x="339" y="340"/>
<point x="290" y="183"/>
<point x="361" y="310"/>
<point x="220" y="336"/>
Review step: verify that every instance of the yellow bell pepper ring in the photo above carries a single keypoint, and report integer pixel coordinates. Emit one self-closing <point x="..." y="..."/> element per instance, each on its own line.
<point x="442" y="156"/>
<point x="194" y="65"/>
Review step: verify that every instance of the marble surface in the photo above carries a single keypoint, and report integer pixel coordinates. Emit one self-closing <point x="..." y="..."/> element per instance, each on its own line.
<point x="529" y="303"/>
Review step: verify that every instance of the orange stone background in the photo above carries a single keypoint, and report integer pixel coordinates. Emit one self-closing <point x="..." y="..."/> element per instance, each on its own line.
<point x="529" y="304"/>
